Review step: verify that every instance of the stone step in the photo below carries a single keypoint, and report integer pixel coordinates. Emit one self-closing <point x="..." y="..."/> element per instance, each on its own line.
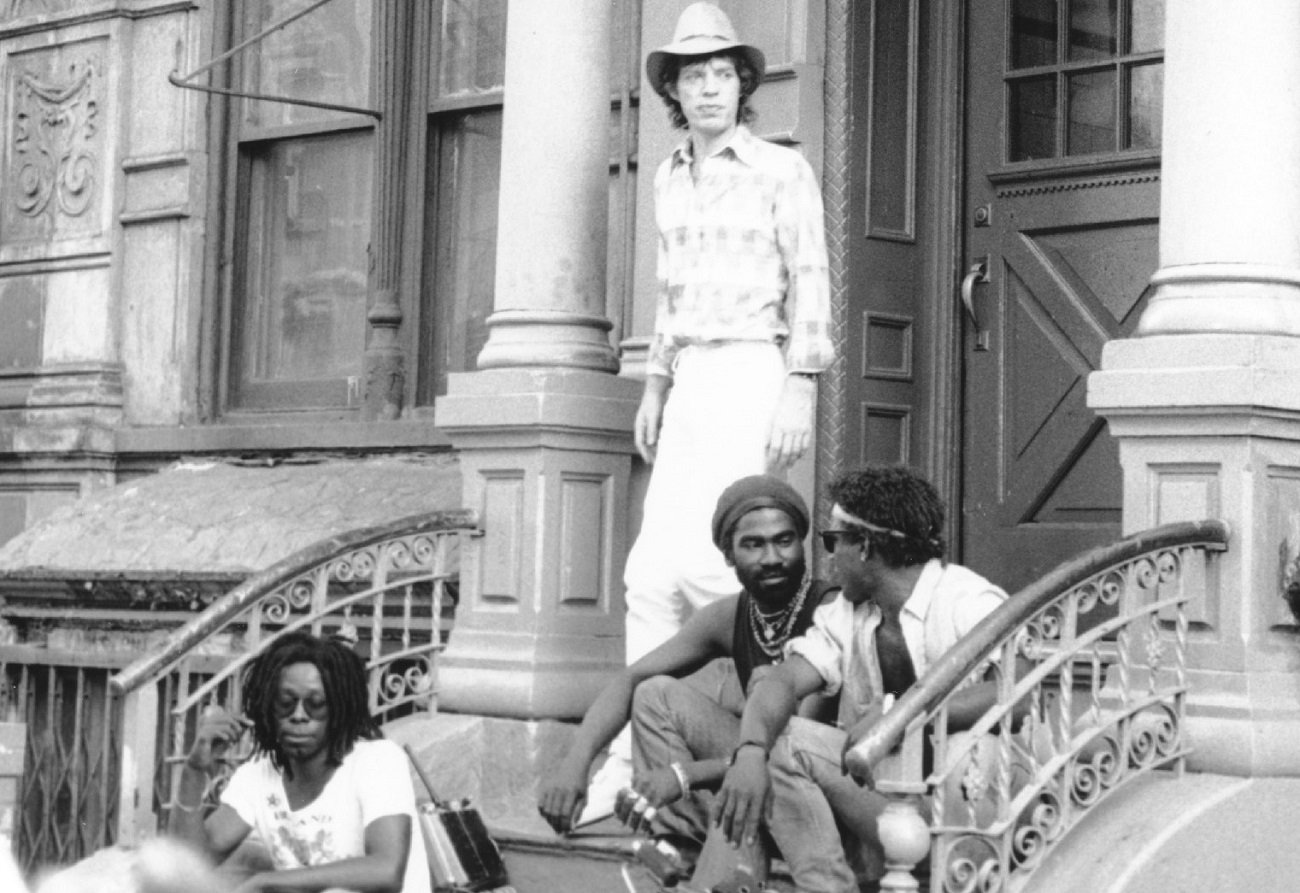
<point x="595" y="859"/>
<point x="598" y="859"/>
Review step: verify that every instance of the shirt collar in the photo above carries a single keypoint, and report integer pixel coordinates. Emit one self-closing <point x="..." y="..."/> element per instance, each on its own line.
<point x="918" y="603"/>
<point x="741" y="145"/>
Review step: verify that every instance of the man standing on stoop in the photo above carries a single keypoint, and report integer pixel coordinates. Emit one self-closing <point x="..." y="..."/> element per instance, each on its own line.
<point x="686" y="696"/>
<point x="741" y="332"/>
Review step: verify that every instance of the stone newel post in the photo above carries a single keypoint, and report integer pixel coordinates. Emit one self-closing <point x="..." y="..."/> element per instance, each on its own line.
<point x="1205" y="402"/>
<point x="544" y="428"/>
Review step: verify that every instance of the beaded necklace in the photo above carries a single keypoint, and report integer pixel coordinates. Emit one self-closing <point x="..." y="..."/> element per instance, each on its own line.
<point x="771" y="630"/>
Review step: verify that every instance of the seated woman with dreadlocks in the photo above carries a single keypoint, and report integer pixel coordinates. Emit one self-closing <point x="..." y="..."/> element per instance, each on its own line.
<point x="330" y="798"/>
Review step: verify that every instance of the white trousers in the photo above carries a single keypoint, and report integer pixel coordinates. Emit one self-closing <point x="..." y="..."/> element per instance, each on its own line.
<point x="715" y="430"/>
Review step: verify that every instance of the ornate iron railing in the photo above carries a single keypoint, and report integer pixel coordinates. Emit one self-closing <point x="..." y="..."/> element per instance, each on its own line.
<point x="1090" y="663"/>
<point x="386" y="587"/>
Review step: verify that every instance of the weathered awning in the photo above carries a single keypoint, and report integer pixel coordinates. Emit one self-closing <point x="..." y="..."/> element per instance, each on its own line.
<point x="193" y="530"/>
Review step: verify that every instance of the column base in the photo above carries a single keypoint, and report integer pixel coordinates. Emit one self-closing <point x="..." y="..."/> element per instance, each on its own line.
<point x="1220" y="297"/>
<point x="546" y="458"/>
<point x="548" y="338"/>
<point x="1209" y="427"/>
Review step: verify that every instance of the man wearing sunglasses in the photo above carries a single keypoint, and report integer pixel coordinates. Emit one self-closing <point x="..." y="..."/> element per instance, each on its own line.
<point x="900" y="608"/>
<point x="684" y="722"/>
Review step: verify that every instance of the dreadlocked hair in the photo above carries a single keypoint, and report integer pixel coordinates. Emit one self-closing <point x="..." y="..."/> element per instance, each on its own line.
<point x="896" y="498"/>
<point x="673" y="65"/>
<point x="342" y="674"/>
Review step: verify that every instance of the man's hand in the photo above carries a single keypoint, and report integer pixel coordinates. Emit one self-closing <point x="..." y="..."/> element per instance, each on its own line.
<point x="659" y="787"/>
<point x="562" y="798"/>
<point x="218" y="729"/>
<point x="742" y="800"/>
<point x="791" y="431"/>
<point x="650" y="416"/>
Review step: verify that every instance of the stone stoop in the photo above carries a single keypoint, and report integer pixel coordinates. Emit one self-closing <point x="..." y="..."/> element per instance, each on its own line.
<point x="594" y="860"/>
<point x="497" y="764"/>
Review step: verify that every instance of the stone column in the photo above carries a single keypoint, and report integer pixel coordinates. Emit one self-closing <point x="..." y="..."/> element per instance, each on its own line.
<point x="544" y="428"/>
<point x="1230" y="185"/>
<point x="1204" y="401"/>
<point x="553" y="223"/>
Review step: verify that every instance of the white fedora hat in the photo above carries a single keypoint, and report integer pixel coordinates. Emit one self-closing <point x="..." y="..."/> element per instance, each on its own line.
<point x="702" y="29"/>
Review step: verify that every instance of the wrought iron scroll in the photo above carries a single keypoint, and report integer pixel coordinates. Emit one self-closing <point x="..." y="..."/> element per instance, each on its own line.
<point x="1091" y="672"/>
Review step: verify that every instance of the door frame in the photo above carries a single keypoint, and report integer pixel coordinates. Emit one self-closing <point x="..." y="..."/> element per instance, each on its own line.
<point x="941" y="274"/>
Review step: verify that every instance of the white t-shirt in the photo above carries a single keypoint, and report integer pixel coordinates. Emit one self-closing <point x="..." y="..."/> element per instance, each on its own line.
<point x="372" y="782"/>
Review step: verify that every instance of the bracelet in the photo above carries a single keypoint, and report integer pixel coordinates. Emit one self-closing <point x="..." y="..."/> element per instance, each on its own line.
<point x="748" y="743"/>
<point x="682" y="778"/>
<point x="190" y="809"/>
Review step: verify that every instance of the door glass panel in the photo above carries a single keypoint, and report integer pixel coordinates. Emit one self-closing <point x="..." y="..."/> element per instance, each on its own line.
<point x="323" y="57"/>
<point x="1093" y="31"/>
<point x="1146" y="92"/>
<point x="303" y="315"/>
<point x="1032" y="114"/>
<point x="1147" y="26"/>
<point x="1091" y="125"/>
<point x="1033" y="33"/>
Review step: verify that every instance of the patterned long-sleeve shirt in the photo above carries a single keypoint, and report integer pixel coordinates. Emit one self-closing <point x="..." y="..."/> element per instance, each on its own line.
<point x="742" y="254"/>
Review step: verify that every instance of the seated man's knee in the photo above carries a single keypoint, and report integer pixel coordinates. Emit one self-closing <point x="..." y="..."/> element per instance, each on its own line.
<point x="802" y="740"/>
<point x="653" y="695"/>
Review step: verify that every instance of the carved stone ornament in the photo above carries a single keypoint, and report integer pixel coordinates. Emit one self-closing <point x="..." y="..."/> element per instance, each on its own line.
<point x="55" y="124"/>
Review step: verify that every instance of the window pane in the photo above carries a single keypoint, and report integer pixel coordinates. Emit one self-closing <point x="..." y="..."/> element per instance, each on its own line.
<point x="303" y="314"/>
<point x="472" y="38"/>
<point x="1093" y="33"/>
<point x="1033" y="33"/>
<point x="1147" y="26"/>
<point x="323" y="57"/>
<point x="1091" y="126"/>
<point x="1146" y="105"/>
<point x="1033" y="118"/>
<point x="465" y="249"/>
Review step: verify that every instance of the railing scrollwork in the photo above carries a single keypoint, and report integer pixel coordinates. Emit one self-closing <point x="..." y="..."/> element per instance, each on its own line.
<point x="1091" y="669"/>
<point x="383" y="588"/>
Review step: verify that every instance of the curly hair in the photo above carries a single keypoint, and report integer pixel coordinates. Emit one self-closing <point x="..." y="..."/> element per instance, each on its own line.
<point x="749" y="81"/>
<point x="900" y="500"/>
<point x="344" y="677"/>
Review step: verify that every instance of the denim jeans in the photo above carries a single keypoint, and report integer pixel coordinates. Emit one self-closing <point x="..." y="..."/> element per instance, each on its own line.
<point x="683" y="720"/>
<point x="818" y="813"/>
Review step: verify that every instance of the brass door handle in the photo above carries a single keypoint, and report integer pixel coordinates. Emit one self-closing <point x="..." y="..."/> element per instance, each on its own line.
<point x="977" y="275"/>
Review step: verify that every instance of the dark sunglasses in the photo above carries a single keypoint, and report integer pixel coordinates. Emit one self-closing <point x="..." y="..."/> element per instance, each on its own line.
<point x="833" y="535"/>
<point x="284" y="707"/>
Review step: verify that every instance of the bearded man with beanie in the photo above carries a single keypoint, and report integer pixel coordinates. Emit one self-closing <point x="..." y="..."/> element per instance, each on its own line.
<point x="685" y="703"/>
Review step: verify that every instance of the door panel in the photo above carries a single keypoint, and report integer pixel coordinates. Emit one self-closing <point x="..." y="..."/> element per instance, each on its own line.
<point x="1069" y="243"/>
<point x="889" y="217"/>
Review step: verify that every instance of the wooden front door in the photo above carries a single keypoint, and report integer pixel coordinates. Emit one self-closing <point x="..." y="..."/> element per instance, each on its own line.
<point x="1061" y="207"/>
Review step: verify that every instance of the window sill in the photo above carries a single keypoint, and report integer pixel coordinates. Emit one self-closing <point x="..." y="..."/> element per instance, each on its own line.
<point x="283" y="435"/>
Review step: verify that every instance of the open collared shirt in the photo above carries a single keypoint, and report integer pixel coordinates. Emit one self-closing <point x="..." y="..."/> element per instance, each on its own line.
<point x="946" y="603"/>
<point x="742" y="254"/>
